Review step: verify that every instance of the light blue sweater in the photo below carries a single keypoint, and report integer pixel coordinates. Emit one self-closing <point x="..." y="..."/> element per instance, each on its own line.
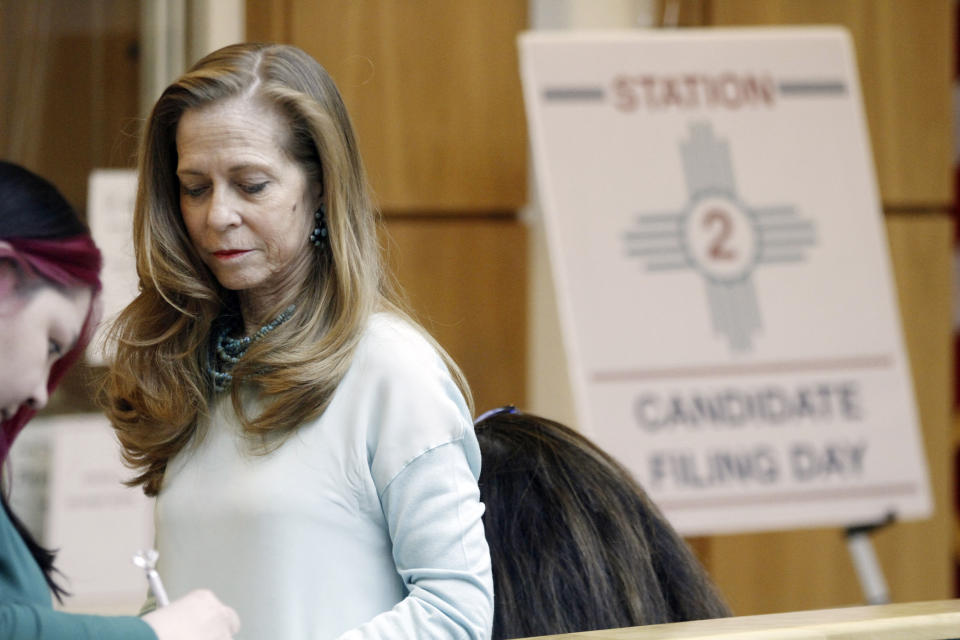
<point x="366" y="523"/>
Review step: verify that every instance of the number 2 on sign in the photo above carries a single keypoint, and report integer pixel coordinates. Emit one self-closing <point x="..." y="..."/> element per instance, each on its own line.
<point x="718" y="247"/>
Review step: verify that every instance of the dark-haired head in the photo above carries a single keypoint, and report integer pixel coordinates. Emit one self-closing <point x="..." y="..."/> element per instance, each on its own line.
<point x="575" y="542"/>
<point x="31" y="207"/>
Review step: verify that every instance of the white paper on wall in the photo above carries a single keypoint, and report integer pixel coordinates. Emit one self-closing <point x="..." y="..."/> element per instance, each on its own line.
<point x="111" y="196"/>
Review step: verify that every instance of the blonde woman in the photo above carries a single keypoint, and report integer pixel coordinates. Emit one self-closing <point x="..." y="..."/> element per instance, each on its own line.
<point x="311" y="449"/>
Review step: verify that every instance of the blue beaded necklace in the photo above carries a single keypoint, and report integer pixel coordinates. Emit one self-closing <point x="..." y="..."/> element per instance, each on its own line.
<point x="227" y="351"/>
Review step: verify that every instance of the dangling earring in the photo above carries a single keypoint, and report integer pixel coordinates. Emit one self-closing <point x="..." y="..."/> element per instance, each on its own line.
<point x="319" y="234"/>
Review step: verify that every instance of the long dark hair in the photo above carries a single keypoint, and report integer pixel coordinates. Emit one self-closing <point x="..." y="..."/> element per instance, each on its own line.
<point x="575" y="542"/>
<point x="48" y="241"/>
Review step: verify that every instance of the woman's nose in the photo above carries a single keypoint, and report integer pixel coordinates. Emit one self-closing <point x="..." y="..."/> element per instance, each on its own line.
<point x="221" y="213"/>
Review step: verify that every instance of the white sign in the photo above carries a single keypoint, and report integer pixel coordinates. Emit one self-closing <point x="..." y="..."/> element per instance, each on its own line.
<point x="111" y="195"/>
<point x="721" y="267"/>
<point x="95" y="521"/>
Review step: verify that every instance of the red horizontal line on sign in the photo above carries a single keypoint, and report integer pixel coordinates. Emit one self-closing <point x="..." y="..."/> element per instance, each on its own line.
<point x="748" y="369"/>
<point x="876" y="491"/>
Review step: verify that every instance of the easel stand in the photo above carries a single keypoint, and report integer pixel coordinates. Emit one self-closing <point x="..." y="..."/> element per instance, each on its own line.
<point x="865" y="561"/>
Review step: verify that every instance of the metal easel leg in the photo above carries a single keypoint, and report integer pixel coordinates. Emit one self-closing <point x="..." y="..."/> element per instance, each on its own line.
<point x="865" y="561"/>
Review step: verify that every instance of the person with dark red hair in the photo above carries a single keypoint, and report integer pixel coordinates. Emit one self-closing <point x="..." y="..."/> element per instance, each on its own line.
<point x="49" y="280"/>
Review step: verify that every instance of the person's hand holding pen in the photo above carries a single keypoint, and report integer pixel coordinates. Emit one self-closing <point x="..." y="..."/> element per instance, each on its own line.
<point x="199" y="615"/>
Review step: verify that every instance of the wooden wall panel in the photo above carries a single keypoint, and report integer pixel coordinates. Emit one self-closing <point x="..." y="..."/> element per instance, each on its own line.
<point x="268" y="21"/>
<point x="69" y="87"/>
<point x="904" y="51"/>
<point x="917" y="556"/>
<point x="688" y="13"/>
<point x="465" y="278"/>
<point x="434" y="92"/>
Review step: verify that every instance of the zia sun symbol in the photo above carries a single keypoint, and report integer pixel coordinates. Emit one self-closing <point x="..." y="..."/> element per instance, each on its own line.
<point x="720" y="237"/>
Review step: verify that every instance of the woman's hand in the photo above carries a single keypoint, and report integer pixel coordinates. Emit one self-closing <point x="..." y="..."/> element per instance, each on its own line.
<point x="199" y="615"/>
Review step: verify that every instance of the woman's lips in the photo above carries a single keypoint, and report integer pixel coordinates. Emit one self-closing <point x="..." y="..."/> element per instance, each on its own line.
<point x="229" y="253"/>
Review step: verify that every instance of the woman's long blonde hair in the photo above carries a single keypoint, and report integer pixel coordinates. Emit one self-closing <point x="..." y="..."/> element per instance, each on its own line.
<point x="157" y="390"/>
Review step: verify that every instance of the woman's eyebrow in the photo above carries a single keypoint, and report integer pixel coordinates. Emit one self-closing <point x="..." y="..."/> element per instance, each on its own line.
<point x="245" y="166"/>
